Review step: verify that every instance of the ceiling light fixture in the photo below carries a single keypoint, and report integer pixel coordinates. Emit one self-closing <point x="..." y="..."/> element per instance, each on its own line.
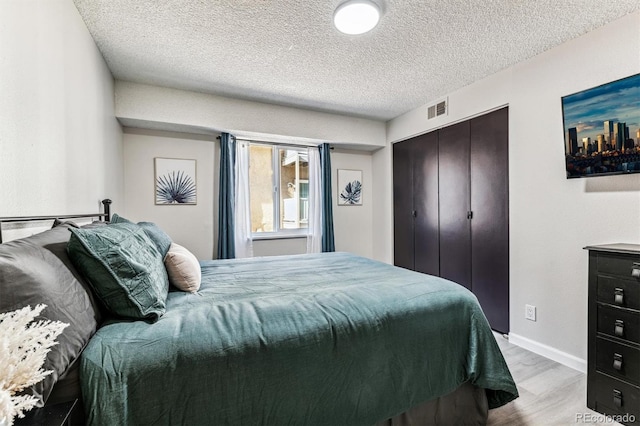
<point x="356" y="16"/>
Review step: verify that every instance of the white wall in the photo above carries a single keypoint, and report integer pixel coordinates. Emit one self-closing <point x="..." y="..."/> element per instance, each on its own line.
<point x="382" y="165"/>
<point x="60" y="144"/>
<point x="278" y="247"/>
<point x="552" y="218"/>
<point x="158" y="106"/>
<point x="191" y="226"/>
<point x="353" y="225"/>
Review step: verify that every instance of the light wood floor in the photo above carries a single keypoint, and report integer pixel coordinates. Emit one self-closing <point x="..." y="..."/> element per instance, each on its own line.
<point x="550" y="393"/>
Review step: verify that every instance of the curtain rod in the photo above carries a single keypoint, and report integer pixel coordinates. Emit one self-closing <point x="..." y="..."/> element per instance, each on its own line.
<point x="278" y="143"/>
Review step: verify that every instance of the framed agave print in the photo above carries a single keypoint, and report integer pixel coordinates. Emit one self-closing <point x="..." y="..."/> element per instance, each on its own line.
<point x="349" y="187"/>
<point x="175" y="181"/>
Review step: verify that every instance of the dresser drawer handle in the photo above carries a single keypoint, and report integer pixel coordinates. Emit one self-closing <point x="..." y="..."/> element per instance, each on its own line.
<point x="618" y="297"/>
<point x="617" y="362"/>
<point x="635" y="270"/>
<point x="619" y="328"/>
<point x="617" y="398"/>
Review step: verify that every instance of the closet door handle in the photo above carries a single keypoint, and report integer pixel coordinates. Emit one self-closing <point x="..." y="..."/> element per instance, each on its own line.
<point x="414" y="213"/>
<point x="469" y="215"/>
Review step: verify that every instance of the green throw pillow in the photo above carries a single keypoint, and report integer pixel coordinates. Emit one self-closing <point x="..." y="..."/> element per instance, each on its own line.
<point x="160" y="238"/>
<point x="124" y="268"/>
<point x="153" y="231"/>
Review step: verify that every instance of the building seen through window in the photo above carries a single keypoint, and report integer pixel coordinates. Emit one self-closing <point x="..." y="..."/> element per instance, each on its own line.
<point x="279" y="187"/>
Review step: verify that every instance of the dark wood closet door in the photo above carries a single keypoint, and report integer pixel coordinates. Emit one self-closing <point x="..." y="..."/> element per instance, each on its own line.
<point x="425" y="202"/>
<point x="454" y="186"/>
<point x="403" y="205"/>
<point x="490" y="224"/>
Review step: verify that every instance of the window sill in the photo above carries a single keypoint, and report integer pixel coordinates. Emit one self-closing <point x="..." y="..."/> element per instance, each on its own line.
<point x="277" y="236"/>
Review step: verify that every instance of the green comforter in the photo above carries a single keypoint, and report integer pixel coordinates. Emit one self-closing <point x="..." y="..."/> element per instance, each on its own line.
<point x="331" y="339"/>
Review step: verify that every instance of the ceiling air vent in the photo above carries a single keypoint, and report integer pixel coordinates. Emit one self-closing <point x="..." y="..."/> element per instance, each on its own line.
<point x="437" y="109"/>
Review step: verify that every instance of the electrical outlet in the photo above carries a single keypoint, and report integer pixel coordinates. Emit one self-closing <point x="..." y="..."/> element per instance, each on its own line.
<point x="530" y="312"/>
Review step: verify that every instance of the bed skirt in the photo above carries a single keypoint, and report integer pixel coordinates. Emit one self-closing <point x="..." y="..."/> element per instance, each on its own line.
<point x="467" y="405"/>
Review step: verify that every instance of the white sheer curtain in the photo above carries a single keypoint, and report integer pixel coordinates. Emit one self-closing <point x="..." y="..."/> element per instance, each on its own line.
<point x="314" y="239"/>
<point x="243" y="242"/>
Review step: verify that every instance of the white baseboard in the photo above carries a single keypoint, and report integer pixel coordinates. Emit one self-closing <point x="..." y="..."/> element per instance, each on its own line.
<point x="549" y="352"/>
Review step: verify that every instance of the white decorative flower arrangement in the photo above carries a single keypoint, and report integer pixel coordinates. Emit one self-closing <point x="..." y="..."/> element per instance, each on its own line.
<point x="23" y="349"/>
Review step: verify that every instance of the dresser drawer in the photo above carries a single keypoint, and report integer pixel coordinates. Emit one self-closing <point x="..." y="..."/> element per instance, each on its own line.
<point x="618" y="291"/>
<point x="615" y="397"/>
<point x="618" y="360"/>
<point x="619" y="322"/>
<point x="617" y="264"/>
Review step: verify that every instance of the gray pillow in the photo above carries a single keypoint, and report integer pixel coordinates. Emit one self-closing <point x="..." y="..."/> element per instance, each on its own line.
<point x="37" y="270"/>
<point x="58" y="222"/>
<point x="123" y="267"/>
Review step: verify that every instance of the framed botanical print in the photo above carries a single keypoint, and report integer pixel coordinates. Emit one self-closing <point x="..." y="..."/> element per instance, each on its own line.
<point x="175" y="181"/>
<point x="349" y="187"/>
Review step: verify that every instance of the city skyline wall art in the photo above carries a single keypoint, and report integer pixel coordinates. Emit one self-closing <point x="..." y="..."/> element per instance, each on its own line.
<point x="602" y="129"/>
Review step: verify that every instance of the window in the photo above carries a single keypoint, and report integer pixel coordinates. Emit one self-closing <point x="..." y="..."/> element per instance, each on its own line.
<point x="279" y="186"/>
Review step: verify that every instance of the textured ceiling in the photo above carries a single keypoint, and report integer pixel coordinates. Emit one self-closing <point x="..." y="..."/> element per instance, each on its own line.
<point x="288" y="52"/>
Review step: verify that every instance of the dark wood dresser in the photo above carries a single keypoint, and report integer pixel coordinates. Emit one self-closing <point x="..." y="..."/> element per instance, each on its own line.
<point x="613" y="375"/>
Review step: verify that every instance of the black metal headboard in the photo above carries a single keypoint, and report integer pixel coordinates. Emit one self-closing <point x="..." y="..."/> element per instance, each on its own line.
<point x="106" y="216"/>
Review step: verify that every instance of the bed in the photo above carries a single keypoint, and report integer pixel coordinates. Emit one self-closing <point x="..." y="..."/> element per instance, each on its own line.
<point x="319" y="339"/>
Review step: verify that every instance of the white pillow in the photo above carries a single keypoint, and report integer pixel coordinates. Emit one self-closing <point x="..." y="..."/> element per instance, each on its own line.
<point x="183" y="268"/>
